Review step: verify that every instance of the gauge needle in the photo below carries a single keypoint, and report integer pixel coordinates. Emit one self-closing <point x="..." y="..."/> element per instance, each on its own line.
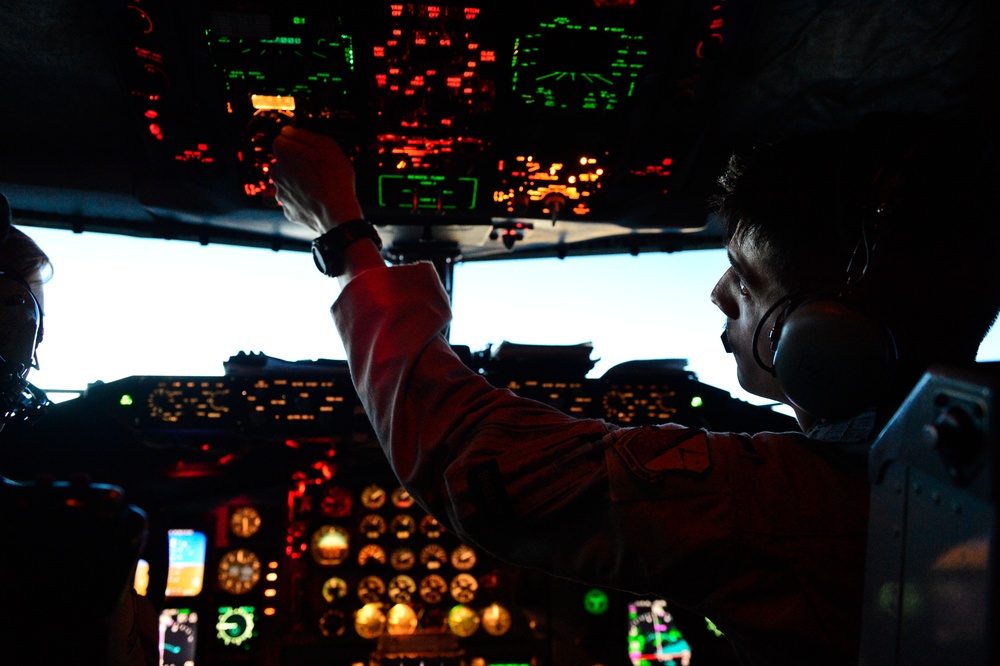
<point x="226" y="626"/>
<point x="176" y="649"/>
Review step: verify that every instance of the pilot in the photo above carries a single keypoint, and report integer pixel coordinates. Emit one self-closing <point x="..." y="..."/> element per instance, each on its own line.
<point x="69" y="547"/>
<point x="858" y="258"/>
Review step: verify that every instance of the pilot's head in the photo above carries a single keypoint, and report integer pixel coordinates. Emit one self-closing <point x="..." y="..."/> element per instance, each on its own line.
<point x="23" y="269"/>
<point x="896" y="217"/>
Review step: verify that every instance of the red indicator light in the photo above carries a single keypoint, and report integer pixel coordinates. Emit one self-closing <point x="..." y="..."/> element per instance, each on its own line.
<point x="394" y="71"/>
<point x="454" y="82"/>
<point x="392" y="42"/>
<point x="444" y="42"/>
<point x="716" y="24"/>
<point x="203" y="147"/>
<point x="488" y="56"/>
<point x="667" y="161"/>
<point x="379" y="51"/>
<point x="420" y="41"/>
<point x="471" y="13"/>
<point x="417" y="81"/>
<point x="151" y="114"/>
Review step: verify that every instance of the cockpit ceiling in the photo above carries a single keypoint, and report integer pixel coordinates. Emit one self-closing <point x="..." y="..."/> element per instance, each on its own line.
<point x="480" y="130"/>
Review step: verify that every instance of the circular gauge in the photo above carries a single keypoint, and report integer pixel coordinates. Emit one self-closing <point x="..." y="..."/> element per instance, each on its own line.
<point x="433" y="556"/>
<point x="336" y="502"/>
<point x="235" y="625"/>
<point x="463" y="558"/>
<point x="402" y="620"/>
<point x="433" y="588"/>
<point x="244" y="522"/>
<point x="496" y="619"/>
<point x="372" y="526"/>
<point x="463" y="588"/>
<point x="430" y="527"/>
<point x="332" y="623"/>
<point x="370" y="589"/>
<point x="373" y="497"/>
<point x="369" y="621"/>
<point x="371" y="553"/>
<point x="334" y="588"/>
<point x="329" y="545"/>
<point x="178" y="644"/>
<point x="402" y="559"/>
<point x="463" y="621"/>
<point x="401" y="499"/>
<point x="403" y="526"/>
<point x="401" y="589"/>
<point x="239" y="571"/>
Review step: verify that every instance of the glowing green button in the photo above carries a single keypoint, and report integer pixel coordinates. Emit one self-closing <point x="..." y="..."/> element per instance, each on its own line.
<point x="595" y="602"/>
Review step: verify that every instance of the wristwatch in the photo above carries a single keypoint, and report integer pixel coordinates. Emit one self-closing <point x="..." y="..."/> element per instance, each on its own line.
<point x="328" y="249"/>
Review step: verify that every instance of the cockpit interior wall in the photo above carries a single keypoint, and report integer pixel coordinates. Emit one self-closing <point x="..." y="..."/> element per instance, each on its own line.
<point x="496" y="129"/>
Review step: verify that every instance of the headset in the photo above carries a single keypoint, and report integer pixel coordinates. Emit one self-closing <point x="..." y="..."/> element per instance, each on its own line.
<point x="833" y="357"/>
<point x="20" y="333"/>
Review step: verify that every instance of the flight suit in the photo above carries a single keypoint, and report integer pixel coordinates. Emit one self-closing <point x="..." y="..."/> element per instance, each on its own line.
<point x="763" y="534"/>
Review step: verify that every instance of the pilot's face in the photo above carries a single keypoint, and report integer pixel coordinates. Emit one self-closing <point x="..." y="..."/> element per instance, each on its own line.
<point x="744" y="293"/>
<point x="20" y="318"/>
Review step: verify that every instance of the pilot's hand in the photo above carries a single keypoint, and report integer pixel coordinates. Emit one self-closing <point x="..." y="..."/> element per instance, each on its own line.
<point x="314" y="180"/>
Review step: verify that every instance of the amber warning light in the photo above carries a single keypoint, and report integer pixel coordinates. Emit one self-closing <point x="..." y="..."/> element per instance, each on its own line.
<point x="273" y="102"/>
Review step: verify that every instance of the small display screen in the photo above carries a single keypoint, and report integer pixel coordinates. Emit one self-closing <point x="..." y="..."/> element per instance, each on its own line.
<point x="653" y="637"/>
<point x="186" y="564"/>
<point x="178" y="636"/>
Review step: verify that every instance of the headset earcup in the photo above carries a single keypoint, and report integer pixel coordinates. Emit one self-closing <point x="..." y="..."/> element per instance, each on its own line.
<point x="833" y="361"/>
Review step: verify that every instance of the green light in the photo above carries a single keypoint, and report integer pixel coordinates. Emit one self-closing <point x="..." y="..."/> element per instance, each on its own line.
<point x="595" y="602"/>
<point x="714" y="629"/>
<point x="299" y="20"/>
<point x="126" y="400"/>
<point x="697" y="401"/>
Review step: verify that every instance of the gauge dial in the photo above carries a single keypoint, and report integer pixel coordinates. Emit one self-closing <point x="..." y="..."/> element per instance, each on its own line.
<point x="370" y="589"/>
<point x="334" y="589"/>
<point x="403" y="526"/>
<point x="401" y="589"/>
<point x="332" y="623"/>
<point x="463" y="621"/>
<point x="330" y="545"/>
<point x="433" y="588"/>
<point x="369" y="621"/>
<point x="178" y="640"/>
<point x="239" y="571"/>
<point x="244" y="522"/>
<point x="402" y="620"/>
<point x="373" y="497"/>
<point x="463" y="558"/>
<point x="430" y="527"/>
<point x="433" y="556"/>
<point x="235" y="625"/>
<point x="463" y="588"/>
<point x="372" y="526"/>
<point x="371" y="553"/>
<point x="496" y="619"/>
<point x="337" y="502"/>
<point x="401" y="499"/>
<point x="402" y="559"/>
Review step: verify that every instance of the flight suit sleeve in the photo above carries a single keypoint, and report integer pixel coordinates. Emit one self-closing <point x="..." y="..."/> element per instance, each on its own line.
<point x="525" y="481"/>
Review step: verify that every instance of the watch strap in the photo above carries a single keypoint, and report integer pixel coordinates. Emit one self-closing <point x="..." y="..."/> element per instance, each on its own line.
<point x="328" y="250"/>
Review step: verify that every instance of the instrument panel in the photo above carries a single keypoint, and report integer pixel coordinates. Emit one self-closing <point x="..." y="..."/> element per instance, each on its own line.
<point x="279" y="535"/>
<point x="484" y="126"/>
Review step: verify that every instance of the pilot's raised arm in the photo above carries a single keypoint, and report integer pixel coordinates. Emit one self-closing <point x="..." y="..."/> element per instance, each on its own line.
<point x="764" y="534"/>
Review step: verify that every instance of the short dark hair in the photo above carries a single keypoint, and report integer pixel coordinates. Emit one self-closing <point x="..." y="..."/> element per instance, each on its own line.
<point x="928" y="187"/>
